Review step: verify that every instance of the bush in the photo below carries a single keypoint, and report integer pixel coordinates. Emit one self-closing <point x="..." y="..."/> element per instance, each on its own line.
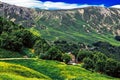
<point x="109" y="50"/>
<point x="83" y="54"/>
<point x="14" y="37"/>
<point x="10" y="42"/>
<point x="66" y="58"/>
<point x="43" y="56"/>
<point x="16" y="40"/>
<point x="112" y="68"/>
<point x="99" y="62"/>
<point x="100" y="66"/>
<point x="52" y="54"/>
<point x="88" y="63"/>
<point x="28" y="39"/>
<point x="41" y="46"/>
<point x="98" y="56"/>
<point x="117" y="70"/>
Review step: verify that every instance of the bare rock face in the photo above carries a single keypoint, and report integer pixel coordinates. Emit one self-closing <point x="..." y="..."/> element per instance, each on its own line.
<point x="98" y="19"/>
<point x="16" y="14"/>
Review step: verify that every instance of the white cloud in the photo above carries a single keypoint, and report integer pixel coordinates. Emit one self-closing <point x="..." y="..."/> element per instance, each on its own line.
<point x="46" y="5"/>
<point x="116" y="6"/>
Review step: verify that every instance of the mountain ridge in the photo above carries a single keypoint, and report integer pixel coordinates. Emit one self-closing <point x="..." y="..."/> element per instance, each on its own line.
<point x="74" y="23"/>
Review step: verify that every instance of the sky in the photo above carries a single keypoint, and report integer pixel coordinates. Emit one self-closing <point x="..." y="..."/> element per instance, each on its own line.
<point x="63" y="4"/>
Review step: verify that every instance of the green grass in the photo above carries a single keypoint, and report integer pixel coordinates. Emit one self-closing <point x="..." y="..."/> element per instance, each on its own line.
<point x="75" y="33"/>
<point x="11" y="76"/>
<point x="34" y="32"/>
<point x="17" y="72"/>
<point x="60" y="71"/>
<point x="74" y="36"/>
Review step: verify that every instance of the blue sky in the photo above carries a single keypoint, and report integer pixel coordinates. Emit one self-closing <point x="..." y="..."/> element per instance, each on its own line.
<point x="63" y="4"/>
<point x="107" y="3"/>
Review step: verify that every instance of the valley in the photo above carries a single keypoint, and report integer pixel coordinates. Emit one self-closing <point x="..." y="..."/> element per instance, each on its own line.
<point x="75" y="44"/>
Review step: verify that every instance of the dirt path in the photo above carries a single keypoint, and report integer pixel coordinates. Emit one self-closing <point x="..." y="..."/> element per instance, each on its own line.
<point x="3" y="59"/>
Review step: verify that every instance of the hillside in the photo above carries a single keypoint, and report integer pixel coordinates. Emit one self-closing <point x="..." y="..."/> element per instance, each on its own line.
<point x="86" y="25"/>
<point x="52" y="69"/>
<point x="18" y="72"/>
<point x="35" y="44"/>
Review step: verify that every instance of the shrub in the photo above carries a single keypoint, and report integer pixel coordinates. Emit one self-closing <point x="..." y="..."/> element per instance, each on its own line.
<point x="100" y="66"/>
<point x="117" y="70"/>
<point x="88" y="63"/>
<point x="66" y="58"/>
<point x="43" y="56"/>
<point x="83" y="54"/>
<point x="10" y="42"/>
<point x="41" y="46"/>
<point x="28" y="39"/>
<point x="112" y="68"/>
<point x="99" y="62"/>
<point x="98" y="56"/>
<point x="53" y="54"/>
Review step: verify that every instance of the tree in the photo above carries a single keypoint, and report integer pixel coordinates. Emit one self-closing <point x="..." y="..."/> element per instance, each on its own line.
<point x="8" y="26"/>
<point x="28" y="39"/>
<point x="53" y="54"/>
<point x="66" y="58"/>
<point x="88" y="63"/>
<point x="83" y="54"/>
<point x="41" y="46"/>
<point x="98" y="56"/>
<point x="10" y="42"/>
<point x="100" y="65"/>
<point x="65" y="46"/>
<point x="112" y="67"/>
<point x="117" y="70"/>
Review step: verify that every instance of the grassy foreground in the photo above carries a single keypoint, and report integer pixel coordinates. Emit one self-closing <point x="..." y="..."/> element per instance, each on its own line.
<point x="45" y="69"/>
<point x="17" y="72"/>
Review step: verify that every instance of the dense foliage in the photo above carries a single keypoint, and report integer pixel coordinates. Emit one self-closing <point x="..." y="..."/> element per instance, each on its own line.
<point x="101" y="63"/>
<point x="52" y="54"/>
<point x="108" y="49"/>
<point x="82" y="54"/>
<point x="14" y="37"/>
<point x="27" y="38"/>
<point x="117" y="38"/>
<point x="66" y="58"/>
<point x="41" y="46"/>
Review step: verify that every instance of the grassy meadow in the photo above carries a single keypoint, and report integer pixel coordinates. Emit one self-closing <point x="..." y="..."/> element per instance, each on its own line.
<point x="37" y="69"/>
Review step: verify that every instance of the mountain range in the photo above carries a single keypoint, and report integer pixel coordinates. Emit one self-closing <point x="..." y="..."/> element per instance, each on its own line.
<point x="39" y="44"/>
<point x="87" y="25"/>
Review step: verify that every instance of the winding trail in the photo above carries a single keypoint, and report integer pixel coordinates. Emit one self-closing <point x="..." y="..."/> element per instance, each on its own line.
<point x="3" y="59"/>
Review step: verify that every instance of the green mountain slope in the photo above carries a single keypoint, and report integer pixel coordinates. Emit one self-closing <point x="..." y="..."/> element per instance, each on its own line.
<point x="86" y="25"/>
<point x="60" y="71"/>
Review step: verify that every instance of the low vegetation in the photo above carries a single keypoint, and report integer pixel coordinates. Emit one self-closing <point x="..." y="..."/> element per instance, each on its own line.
<point x="9" y="54"/>
<point x="60" y="71"/>
<point x="17" y="72"/>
